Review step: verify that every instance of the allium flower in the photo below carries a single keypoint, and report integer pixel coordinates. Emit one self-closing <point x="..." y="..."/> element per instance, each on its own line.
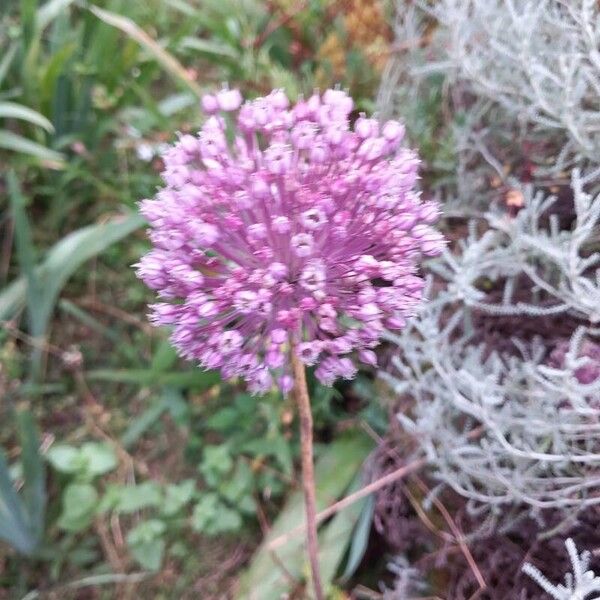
<point x="282" y="221"/>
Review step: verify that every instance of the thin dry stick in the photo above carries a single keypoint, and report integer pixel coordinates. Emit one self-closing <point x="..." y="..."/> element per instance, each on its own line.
<point x="457" y="535"/>
<point x="351" y="499"/>
<point x="308" y="475"/>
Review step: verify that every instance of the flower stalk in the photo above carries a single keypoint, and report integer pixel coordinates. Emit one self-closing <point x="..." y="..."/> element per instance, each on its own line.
<point x="308" y="475"/>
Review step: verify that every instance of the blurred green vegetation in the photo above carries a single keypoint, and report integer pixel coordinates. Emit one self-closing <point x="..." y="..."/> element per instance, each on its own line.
<point x="143" y="474"/>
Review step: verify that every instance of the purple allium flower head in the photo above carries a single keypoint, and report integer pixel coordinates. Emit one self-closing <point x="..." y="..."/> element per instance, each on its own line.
<point x="292" y="224"/>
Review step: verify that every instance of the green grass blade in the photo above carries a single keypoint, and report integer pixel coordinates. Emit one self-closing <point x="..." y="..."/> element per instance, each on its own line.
<point x="17" y="143"/>
<point x="195" y="378"/>
<point x="25" y="253"/>
<point x="12" y="110"/>
<point x="84" y="317"/>
<point x="143" y="422"/>
<point x="167" y="60"/>
<point x="217" y="50"/>
<point x="49" y="11"/>
<point x="34" y="489"/>
<point x="7" y="60"/>
<point x="27" y="15"/>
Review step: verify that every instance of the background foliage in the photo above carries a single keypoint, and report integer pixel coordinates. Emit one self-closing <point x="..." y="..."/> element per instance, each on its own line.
<point x="125" y="471"/>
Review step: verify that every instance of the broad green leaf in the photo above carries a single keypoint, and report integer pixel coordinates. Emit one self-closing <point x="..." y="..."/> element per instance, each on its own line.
<point x="146" y="531"/>
<point x="223" y="419"/>
<point x="234" y="488"/>
<point x="12" y="110"/>
<point x="63" y="259"/>
<point x="79" y="506"/>
<point x="99" y="458"/>
<point x="177" y="496"/>
<point x="148" y="554"/>
<point x="17" y="143"/>
<point x="65" y="459"/>
<point x="334" y="471"/>
<point x="132" y="498"/>
<point x="216" y="462"/>
<point x="212" y="517"/>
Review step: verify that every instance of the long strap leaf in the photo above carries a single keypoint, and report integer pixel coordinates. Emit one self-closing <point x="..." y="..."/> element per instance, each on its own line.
<point x="34" y="489"/>
<point x="13" y="521"/>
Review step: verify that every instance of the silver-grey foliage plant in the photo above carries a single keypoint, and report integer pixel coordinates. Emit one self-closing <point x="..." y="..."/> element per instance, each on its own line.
<point x="578" y="585"/>
<point x="513" y="422"/>
<point x="539" y="60"/>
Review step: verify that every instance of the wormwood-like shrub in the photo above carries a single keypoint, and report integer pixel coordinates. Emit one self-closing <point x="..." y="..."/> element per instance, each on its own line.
<point x="507" y="398"/>
<point x="536" y="60"/>
<point x="502" y="367"/>
<point x="578" y="584"/>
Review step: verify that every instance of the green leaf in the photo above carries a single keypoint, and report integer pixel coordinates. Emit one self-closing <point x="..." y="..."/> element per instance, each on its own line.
<point x="143" y="422"/>
<point x="7" y="60"/>
<point x="234" y="488"/>
<point x="216" y="462"/>
<point x="49" y="11"/>
<point x="17" y="143"/>
<point x="215" y="49"/>
<point x="177" y="496"/>
<point x="334" y="471"/>
<point x="79" y="506"/>
<point x="276" y="446"/>
<point x="175" y="103"/>
<point x="12" y="110"/>
<point x="165" y="356"/>
<point x="34" y="487"/>
<point x="149" y="554"/>
<point x="87" y="462"/>
<point x="13" y="520"/>
<point x="212" y="517"/>
<point x="25" y="249"/>
<point x="336" y="535"/>
<point x="205" y="512"/>
<point x="132" y="498"/>
<point x="195" y="378"/>
<point x="360" y="538"/>
<point x="147" y="544"/>
<point x="62" y="261"/>
<point x="146" y="531"/>
<point x="26" y="257"/>
<point x="65" y="459"/>
<point x="223" y="419"/>
<point x="99" y="458"/>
